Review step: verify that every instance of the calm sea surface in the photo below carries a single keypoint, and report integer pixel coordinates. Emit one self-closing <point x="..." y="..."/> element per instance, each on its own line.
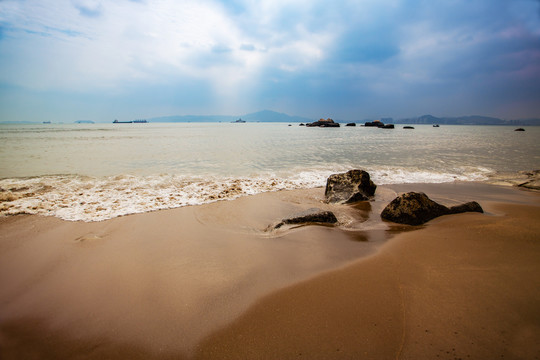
<point x="99" y="171"/>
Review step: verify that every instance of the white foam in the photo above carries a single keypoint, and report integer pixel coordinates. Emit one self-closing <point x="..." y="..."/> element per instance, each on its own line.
<point x="81" y="198"/>
<point x="392" y="175"/>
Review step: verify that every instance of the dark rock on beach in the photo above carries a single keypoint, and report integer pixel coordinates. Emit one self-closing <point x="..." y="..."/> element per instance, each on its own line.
<point x="351" y="124"/>
<point x="520" y="129"/>
<point x="417" y="208"/>
<point x="408" y="127"/>
<point x="323" y="123"/>
<point x="471" y="206"/>
<point x="388" y="126"/>
<point x="349" y="187"/>
<point x="310" y="216"/>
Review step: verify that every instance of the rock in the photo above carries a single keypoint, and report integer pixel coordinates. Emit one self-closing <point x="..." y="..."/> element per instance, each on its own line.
<point x="310" y="216"/>
<point x="323" y="123"/>
<point x="533" y="180"/>
<point x="413" y="209"/>
<point x="471" y="206"/>
<point x="417" y="208"/>
<point x="302" y="124"/>
<point x="349" y="187"/>
<point x="351" y="124"/>
<point x="376" y="123"/>
<point x="408" y="127"/>
<point x="520" y="129"/>
<point x="525" y="179"/>
<point x="388" y="126"/>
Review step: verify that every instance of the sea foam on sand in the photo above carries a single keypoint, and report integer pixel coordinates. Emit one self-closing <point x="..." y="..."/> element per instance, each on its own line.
<point x="73" y="197"/>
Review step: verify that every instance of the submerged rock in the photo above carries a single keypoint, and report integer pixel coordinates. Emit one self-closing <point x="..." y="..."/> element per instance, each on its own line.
<point x="417" y="208"/>
<point x="349" y="187"/>
<point x="310" y="216"/>
<point x="525" y="179"/>
<point x="533" y="180"/>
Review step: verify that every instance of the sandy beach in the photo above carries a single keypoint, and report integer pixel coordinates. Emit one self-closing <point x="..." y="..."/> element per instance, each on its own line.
<point x="213" y="281"/>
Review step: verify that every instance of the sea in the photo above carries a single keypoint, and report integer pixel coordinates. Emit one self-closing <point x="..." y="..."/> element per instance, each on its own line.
<point x="94" y="172"/>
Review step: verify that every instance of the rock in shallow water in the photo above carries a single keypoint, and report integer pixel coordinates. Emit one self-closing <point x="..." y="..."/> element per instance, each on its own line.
<point x="323" y="123"/>
<point x="349" y="187"/>
<point x="310" y="216"/>
<point x="533" y="180"/>
<point x="417" y="208"/>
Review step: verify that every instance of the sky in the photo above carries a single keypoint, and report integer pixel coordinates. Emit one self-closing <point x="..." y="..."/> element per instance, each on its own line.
<point x="67" y="60"/>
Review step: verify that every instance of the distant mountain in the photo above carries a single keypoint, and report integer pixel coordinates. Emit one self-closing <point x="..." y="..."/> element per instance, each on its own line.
<point x="466" y="120"/>
<point x="261" y="116"/>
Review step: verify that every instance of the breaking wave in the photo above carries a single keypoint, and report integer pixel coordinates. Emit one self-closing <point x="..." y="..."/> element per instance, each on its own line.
<point x="84" y="198"/>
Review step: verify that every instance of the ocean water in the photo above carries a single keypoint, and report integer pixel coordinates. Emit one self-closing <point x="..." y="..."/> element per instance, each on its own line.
<point x="93" y="172"/>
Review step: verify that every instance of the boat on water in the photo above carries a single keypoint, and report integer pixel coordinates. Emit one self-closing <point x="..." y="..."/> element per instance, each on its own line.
<point x="239" y="121"/>
<point x="139" y="121"/>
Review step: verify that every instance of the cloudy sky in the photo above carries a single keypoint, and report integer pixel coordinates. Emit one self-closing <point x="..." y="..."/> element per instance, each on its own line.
<point x="64" y="60"/>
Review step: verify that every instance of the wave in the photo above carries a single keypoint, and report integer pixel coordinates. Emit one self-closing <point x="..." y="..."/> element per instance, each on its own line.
<point x="84" y="198"/>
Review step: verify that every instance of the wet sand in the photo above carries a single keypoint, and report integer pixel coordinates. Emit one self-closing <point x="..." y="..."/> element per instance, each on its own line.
<point x="211" y="282"/>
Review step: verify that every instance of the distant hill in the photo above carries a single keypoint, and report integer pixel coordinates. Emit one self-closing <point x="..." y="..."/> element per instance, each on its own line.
<point x="261" y="116"/>
<point x="466" y="120"/>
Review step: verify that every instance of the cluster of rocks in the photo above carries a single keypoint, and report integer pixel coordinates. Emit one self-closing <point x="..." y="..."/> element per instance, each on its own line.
<point x="412" y="208"/>
<point x="323" y="123"/>
<point x="379" y="124"/>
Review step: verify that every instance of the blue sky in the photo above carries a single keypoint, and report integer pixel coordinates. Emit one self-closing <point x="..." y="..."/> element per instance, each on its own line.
<point x="65" y="60"/>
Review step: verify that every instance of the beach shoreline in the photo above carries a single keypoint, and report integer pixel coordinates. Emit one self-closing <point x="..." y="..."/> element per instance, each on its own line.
<point x="205" y="281"/>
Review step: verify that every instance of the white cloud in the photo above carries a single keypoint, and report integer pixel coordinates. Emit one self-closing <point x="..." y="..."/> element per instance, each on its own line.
<point x="101" y="44"/>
